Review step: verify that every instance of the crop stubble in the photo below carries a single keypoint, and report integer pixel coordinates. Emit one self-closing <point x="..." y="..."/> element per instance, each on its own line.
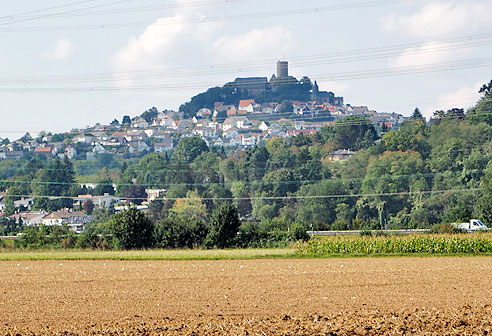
<point x="254" y="297"/>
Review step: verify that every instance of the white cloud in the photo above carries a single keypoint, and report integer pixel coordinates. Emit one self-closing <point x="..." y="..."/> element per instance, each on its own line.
<point x="427" y="53"/>
<point x="169" y="43"/>
<point x="264" y="43"/>
<point x="338" y="88"/>
<point x="62" y="50"/>
<point x="465" y="97"/>
<point x="147" y="49"/>
<point x="441" y="18"/>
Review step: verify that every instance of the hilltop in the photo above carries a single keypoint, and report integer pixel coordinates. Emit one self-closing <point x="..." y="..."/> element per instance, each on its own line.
<point x="281" y="88"/>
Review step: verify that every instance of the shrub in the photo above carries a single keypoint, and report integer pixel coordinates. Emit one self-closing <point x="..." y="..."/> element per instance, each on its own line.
<point x="89" y="240"/>
<point x="223" y="227"/>
<point x="446" y="228"/>
<point x="340" y="225"/>
<point x="177" y="232"/>
<point x="131" y="229"/>
<point x="299" y="232"/>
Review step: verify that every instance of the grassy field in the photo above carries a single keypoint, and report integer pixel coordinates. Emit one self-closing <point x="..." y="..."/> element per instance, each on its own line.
<point x="323" y="247"/>
<point x="148" y="254"/>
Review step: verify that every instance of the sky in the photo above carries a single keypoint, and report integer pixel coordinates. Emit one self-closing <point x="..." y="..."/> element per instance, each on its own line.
<point x="73" y="63"/>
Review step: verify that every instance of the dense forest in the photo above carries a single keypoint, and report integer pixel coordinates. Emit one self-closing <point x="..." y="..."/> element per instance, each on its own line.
<point x="415" y="177"/>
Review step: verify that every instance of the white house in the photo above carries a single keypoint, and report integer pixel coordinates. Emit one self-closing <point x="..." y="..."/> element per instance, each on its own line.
<point x="207" y="132"/>
<point x="236" y="122"/>
<point x="164" y="121"/>
<point x="219" y="142"/>
<point x="264" y="126"/>
<point x="85" y="138"/>
<point x="231" y="134"/>
<point x="247" y="105"/>
<point x="138" y="147"/>
<point x="151" y="131"/>
<point x="101" y="136"/>
<point x="140" y="123"/>
<point x="137" y="136"/>
<point x="233" y="142"/>
<point x="153" y="194"/>
<point x="99" y="149"/>
<point x="164" y="146"/>
<point x="299" y="124"/>
<point x="249" y="140"/>
<point x="204" y="112"/>
<point x="57" y="217"/>
<point x="29" y="218"/>
<point x="276" y="128"/>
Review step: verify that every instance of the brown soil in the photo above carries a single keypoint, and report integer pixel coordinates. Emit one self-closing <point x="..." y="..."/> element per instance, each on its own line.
<point x="407" y="296"/>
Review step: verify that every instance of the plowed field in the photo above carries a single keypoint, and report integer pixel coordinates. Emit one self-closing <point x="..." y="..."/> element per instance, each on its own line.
<point x="410" y="296"/>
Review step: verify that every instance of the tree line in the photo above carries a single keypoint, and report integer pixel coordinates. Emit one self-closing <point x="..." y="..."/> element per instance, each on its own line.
<point x="422" y="174"/>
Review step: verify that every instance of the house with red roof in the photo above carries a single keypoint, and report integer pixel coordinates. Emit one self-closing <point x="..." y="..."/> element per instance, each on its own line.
<point x="46" y="151"/>
<point x="231" y="112"/>
<point x="247" y="105"/>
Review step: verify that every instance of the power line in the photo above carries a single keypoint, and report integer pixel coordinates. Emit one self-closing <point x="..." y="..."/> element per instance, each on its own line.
<point x="306" y="61"/>
<point x="273" y="198"/>
<point x="85" y="12"/>
<point x="352" y="75"/>
<point x="249" y="16"/>
<point x="45" y="9"/>
<point x="247" y="182"/>
<point x="65" y="12"/>
<point x="461" y="41"/>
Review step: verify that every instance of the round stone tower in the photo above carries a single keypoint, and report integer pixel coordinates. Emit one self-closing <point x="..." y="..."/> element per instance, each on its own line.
<point x="282" y="69"/>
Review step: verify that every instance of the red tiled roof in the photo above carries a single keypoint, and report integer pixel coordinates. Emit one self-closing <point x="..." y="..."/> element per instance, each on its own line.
<point x="42" y="150"/>
<point x="246" y="102"/>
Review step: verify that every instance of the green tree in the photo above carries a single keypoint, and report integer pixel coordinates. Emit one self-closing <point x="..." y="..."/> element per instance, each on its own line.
<point x="240" y="192"/>
<point x="136" y="193"/>
<point x="412" y="136"/>
<point x="104" y="187"/>
<point x="56" y="179"/>
<point x="318" y="209"/>
<point x="417" y="115"/>
<point x="191" y="207"/>
<point x="88" y="206"/>
<point x="152" y="169"/>
<point x="223" y="227"/>
<point x="285" y="107"/>
<point x="188" y="149"/>
<point x="150" y="114"/>
<point x="355" y="132"/>
<point x="131" y="229"/>
<point x="179" y="232"/>
<point x="126" y="120"/>
<point x="484" y="203"/>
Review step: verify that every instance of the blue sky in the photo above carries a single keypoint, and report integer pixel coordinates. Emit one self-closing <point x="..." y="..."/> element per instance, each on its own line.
<point x="69" y="64"/>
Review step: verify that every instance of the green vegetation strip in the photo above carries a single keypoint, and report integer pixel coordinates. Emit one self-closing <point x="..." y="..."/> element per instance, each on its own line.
<point x="148" y="254"/>
<point x="398" y="245"/>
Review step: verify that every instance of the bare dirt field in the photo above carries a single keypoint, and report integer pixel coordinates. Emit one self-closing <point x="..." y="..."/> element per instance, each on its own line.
<point x="386" y="296"/>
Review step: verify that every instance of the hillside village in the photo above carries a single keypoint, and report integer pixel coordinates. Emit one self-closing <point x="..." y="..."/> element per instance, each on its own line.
<point x="230" y="126"/>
